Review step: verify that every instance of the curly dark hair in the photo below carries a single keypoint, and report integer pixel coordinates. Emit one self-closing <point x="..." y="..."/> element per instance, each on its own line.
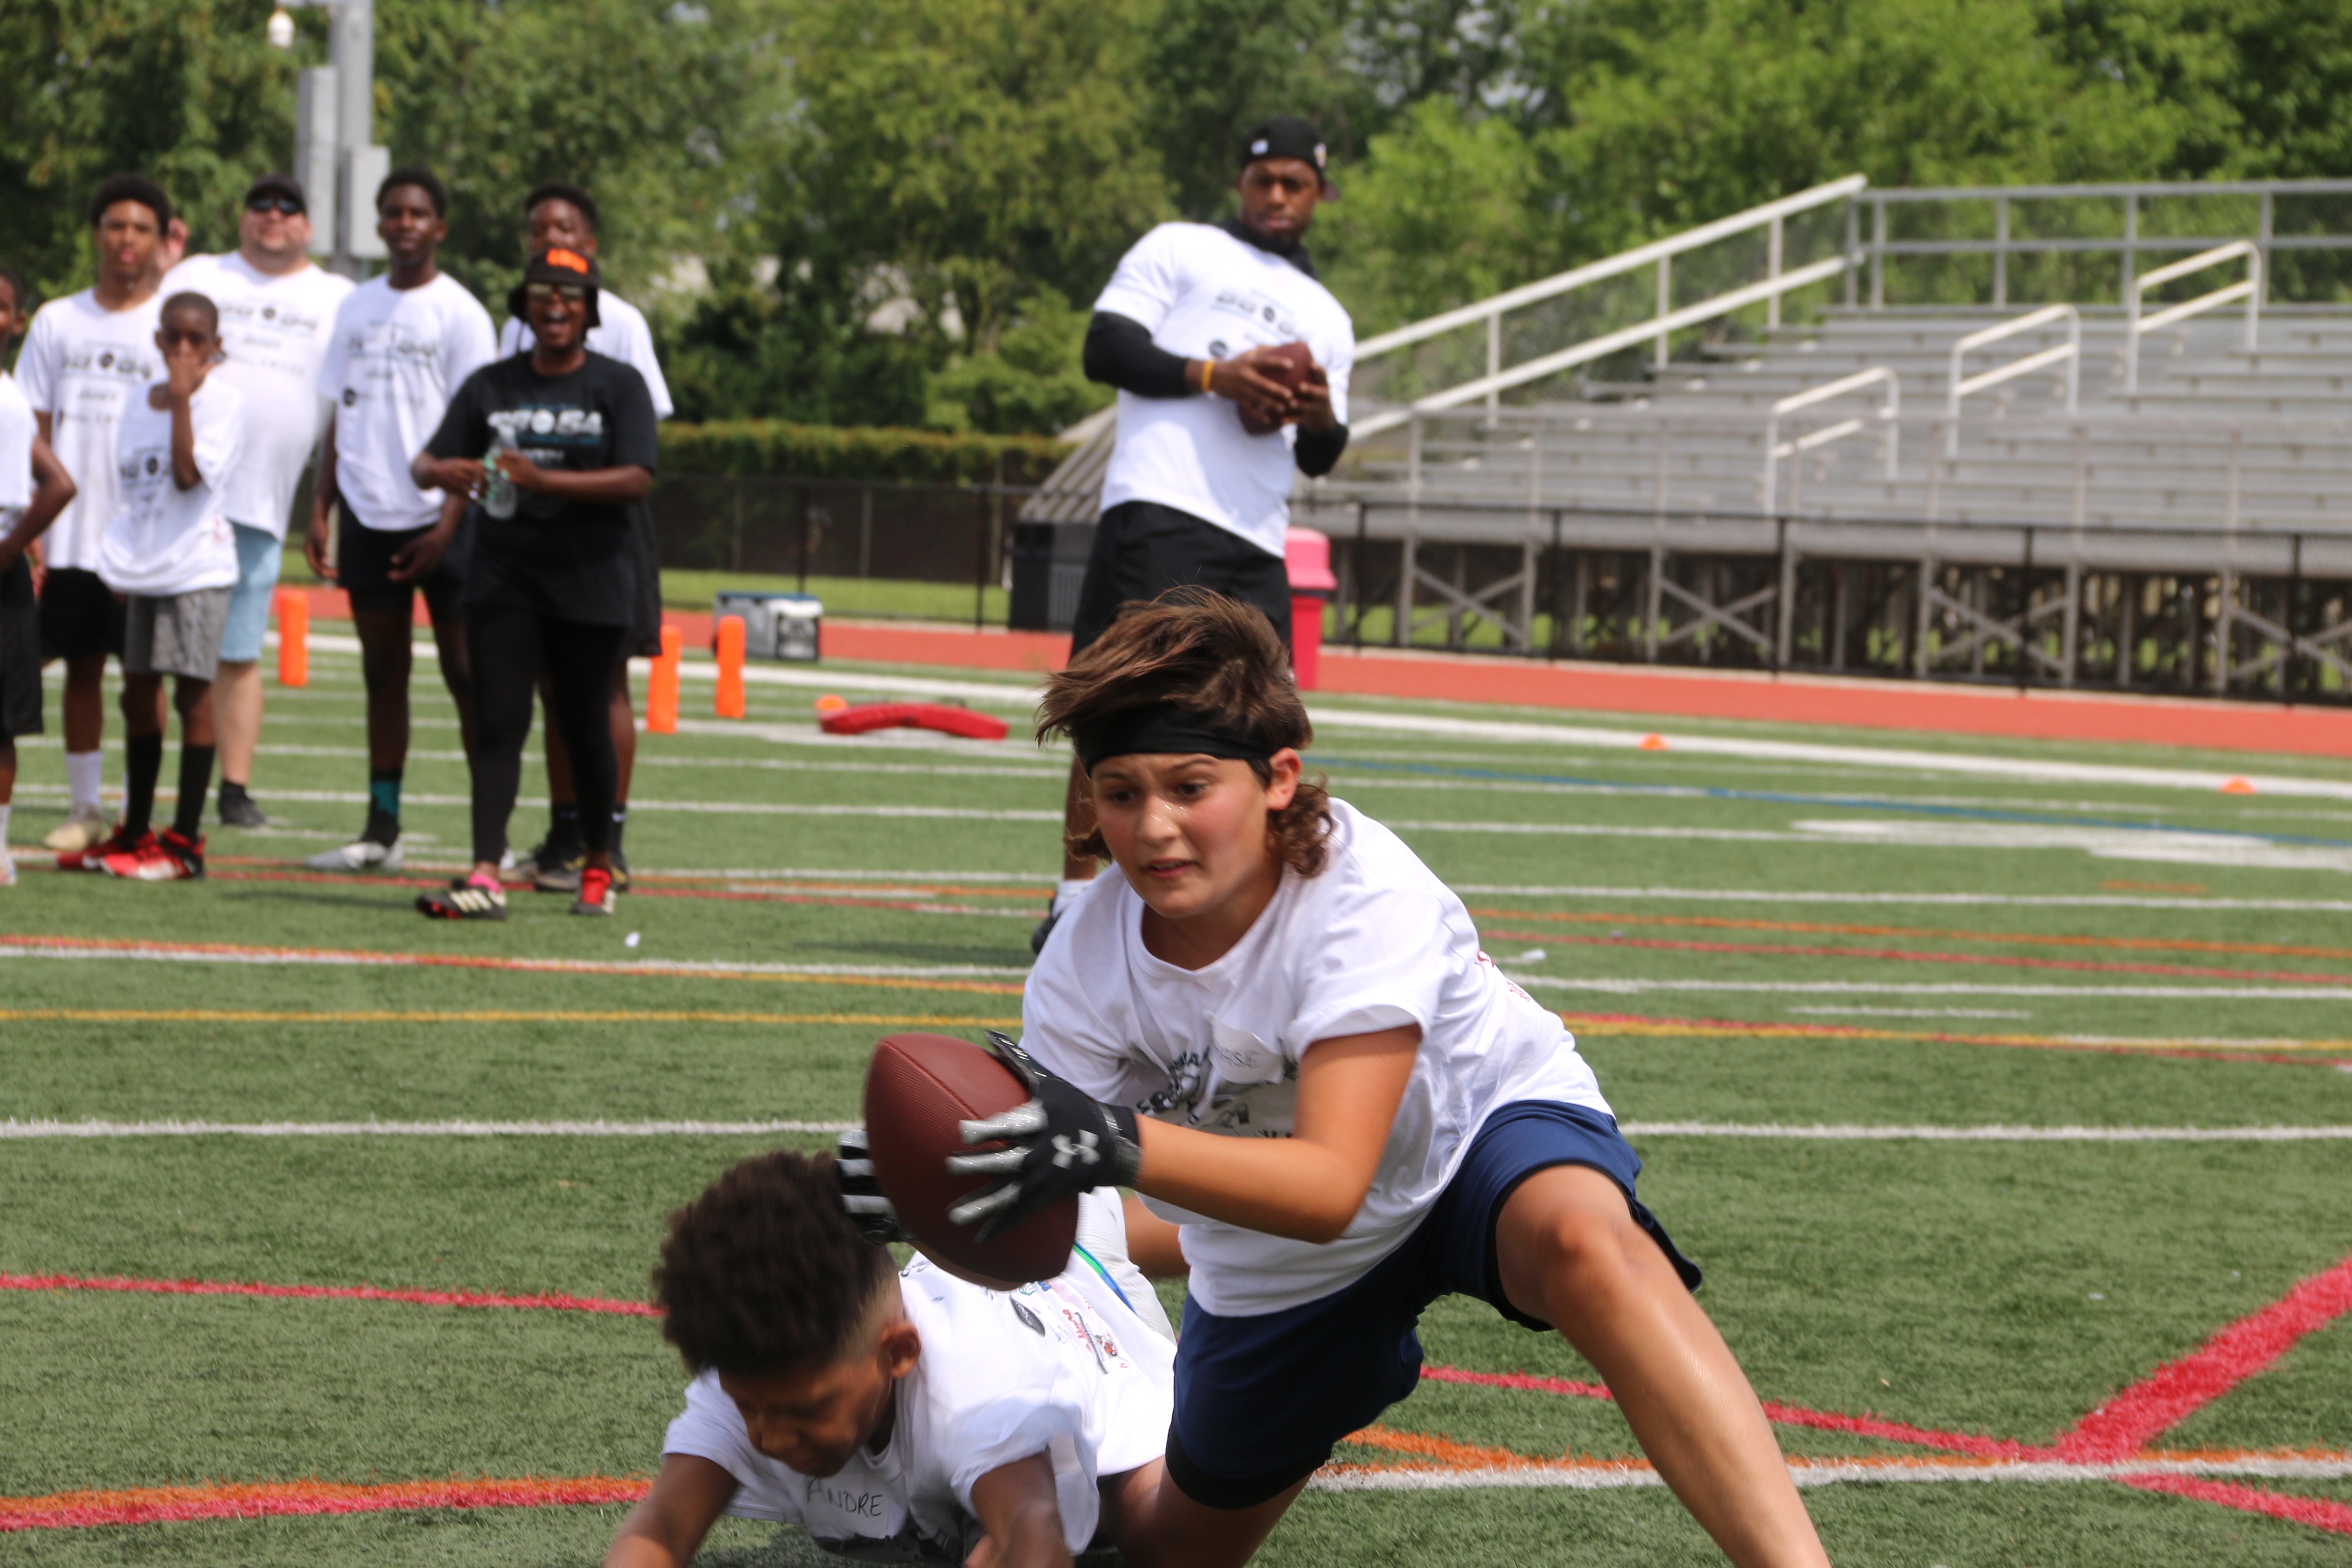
<point x="133" y="188"/>
<point x="564" y="191"/>
<point x="764" y="1272"/>
<point x="1201" y="650"/>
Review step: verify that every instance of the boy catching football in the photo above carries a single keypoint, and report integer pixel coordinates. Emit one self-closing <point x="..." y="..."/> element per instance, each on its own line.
<point x="898" y="1414"/>
<point x="1275" y="1024"/>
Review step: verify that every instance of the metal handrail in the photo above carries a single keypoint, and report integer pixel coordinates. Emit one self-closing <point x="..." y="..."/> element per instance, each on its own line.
<point x="2070" y="353"/>
<point x="2249" y="288"/>
<point x="1660" y="253"/>
<point x="1889" y="413"/>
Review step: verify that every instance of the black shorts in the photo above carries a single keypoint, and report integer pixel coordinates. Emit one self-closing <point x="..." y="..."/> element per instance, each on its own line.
<point x="20" y="657"/>
<point x="644" y="640"/>
<point x="80" y="617"/>
<point x="1142" y="548"/>
<point x="363" y="568"/>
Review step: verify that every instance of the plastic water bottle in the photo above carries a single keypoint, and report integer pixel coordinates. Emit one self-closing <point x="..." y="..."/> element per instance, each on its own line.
<point x="498" y="494"/>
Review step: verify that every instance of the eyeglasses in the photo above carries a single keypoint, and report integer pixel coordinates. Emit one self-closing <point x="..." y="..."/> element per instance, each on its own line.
<point x="569" y="293"/>
<point x="285" y="205"/>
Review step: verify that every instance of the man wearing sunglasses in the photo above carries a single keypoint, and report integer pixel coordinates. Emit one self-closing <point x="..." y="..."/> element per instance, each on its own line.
<point x="277" y="314"/>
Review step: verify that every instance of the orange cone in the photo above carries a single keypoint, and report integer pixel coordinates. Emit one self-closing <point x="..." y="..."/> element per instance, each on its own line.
<point x="1652" y="743"/>
<point x="2238" y="786"/>
<point x="661" y="686"/>
<point x="293" y="637"/>
<point x="730" y="702"/>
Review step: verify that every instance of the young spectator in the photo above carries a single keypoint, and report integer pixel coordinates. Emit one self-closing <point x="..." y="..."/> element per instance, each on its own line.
<point x="1276" y="1025"/>
<point x="562" y="215"/>
<point x="34" y="487"/>
<point x="1191" y="494"/>
<point x="276" y="312"/>
<point x="566" y="437"/>
<point x="170" y="552"/>
<point x="87" y="358"/>
<point x="908" y="1417"/>
<point x="403" y="344"/>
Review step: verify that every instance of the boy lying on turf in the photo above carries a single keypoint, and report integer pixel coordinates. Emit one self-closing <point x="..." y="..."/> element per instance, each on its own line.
<point x="1276" y="1025"/>
<point x="897" y="1415"/>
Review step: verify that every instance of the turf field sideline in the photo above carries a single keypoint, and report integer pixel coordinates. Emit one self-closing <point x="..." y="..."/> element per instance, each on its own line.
<point x="2004" y="1087"/>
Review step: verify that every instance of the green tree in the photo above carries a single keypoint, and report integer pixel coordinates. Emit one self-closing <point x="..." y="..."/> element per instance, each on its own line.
<point x="1031" y="382"/>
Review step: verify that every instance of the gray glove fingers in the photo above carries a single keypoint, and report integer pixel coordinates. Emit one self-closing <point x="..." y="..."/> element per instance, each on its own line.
<point x="863" y="1203"/>
<point x="855" y="1170"/>
<point x="851" y="1145"/>
<point x="1005" y="1164"/>
<point x="1020" y="1121"/>
<point x="971" y="1210"/>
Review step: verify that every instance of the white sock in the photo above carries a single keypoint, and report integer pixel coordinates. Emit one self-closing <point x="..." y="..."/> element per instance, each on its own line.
<point x="4" y="829"/>
<point x="82" y="775"/>
<point x="1069" y="890"/>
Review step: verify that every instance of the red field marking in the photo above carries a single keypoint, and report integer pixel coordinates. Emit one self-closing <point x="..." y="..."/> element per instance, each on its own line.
<point x="1900" y="955"/>
<point x="275" y="1500"/>
<point x="370" y="957"/>
<point x="2173" y="1392"/>
<point x="1786" y="1415"/>
<point x="711" y="895"/>
<point x="2320" y="1513"/>
<point x="543" y="1301"/>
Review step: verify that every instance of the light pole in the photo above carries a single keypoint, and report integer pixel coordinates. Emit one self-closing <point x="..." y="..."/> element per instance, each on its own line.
<point x="335" y="153"/>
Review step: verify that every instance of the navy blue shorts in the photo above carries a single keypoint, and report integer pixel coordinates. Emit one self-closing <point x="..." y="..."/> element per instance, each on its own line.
<point x="1260" y="1401"/>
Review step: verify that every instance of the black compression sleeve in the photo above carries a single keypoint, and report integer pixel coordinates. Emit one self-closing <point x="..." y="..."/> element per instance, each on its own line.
<point x="1318" y="453"/>
<point x="1119" y="352"/>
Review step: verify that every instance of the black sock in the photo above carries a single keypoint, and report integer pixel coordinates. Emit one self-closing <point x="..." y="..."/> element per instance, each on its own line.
<point x="142" y="757"/>
<point x="231" y="790"/>
<point x="384" y="806"/>
<point x="620" y="821"/>
<point x="564" y="828"/>
<point x="196" y="778"/>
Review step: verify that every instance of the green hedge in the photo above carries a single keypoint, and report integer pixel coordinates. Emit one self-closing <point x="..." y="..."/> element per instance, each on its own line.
<point x="833" y="452"/>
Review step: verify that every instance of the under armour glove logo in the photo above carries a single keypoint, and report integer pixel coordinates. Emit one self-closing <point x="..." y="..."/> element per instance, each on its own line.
<point x="1065" y="1152"/>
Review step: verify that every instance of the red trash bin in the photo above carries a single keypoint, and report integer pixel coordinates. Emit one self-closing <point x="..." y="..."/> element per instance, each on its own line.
<point x="1308" y="554"/>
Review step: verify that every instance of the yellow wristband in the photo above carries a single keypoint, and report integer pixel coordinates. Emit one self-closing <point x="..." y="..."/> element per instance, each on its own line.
<point x="1208" y="369"/>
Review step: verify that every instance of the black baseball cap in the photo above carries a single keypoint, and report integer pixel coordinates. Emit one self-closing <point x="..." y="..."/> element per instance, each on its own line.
<point x="279" y="184"/>
<point x="559" y="265"/>
<point x="1285" y="137"/>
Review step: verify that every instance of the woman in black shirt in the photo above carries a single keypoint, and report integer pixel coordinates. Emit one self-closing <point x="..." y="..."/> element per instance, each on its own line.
<point x="549" y="447"/>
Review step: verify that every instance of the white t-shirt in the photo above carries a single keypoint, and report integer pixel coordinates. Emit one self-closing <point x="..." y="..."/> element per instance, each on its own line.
<point x="621" y="332"/>
<point x="275" y="330"/>
<point x="83" y="365"/>
<point x="396" y="358"/>
<point x="165" y="540"/>
<point x="1206" y="295"/>
<point x="1374" y="943"/>
<point x="1062" y="1368"/>
<point x="16" y="432"/>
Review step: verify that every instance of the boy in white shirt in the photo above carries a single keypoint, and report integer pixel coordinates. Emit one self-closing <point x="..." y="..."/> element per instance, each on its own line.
<point x="87" y="358"/>
<point x="403" y="344"/>
<point x="34" y="487"/>
<point x="1275" y="1024"/>
<point x="170" y="552"/>
<point x="897" y="1415"/>
<point x="278" y="311"/>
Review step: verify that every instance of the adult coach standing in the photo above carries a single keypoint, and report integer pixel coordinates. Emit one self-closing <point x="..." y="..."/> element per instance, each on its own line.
<point x="561" y="216"/>
<point x="403" y="344"/>
<point x="1191" y="495"/>
<point x="276" y="312"/>
<point x="86" y="358"/>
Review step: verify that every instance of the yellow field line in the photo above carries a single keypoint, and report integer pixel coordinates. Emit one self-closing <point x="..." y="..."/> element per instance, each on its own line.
<point x="475" y="1016"/>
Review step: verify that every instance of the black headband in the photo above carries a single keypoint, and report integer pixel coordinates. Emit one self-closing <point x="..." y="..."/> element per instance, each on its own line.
<point x="1163" y="728"/>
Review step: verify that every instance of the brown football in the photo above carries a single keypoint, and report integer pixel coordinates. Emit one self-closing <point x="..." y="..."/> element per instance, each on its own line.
<point x="918" y="1089"/>
<point x="1288" y="364"/>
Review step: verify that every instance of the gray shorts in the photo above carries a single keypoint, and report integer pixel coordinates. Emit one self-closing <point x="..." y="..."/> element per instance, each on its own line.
<point x="178" y="634"/>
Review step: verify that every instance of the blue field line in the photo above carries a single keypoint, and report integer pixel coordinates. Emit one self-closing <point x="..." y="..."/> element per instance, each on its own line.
<point x="1779" y="797"/>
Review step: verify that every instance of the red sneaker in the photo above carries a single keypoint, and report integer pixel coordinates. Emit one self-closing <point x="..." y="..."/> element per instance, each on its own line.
<point x="93" y="858"/>
<point x="171" y="859"/>
<point x="595" y="891"/>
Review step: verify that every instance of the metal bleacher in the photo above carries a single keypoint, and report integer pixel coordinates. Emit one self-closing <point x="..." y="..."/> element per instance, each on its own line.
<point x="1741" y="445"/>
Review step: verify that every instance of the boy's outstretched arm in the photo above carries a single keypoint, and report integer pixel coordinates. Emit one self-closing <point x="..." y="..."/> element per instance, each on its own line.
<point x="664" y="1530"/>
<point x="1017" y="1507"/>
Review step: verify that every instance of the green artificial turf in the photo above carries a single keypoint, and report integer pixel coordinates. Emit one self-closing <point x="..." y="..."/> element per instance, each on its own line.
<point x="1997" y="1289"/>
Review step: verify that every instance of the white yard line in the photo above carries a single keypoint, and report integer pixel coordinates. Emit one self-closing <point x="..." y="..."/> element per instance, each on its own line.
<point x="1850" y="1133"/>
<point x="653" y="968"/>
<point x="1601" y="1476"/>
<point x="1629" y="985"/>
<point x="2021" y="901"/>
<point x="707" y="807"/>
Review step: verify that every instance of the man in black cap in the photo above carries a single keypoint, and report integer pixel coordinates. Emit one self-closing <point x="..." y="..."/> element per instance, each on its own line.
<point x="1209" y="432"/>
<point x="277" y="313"/>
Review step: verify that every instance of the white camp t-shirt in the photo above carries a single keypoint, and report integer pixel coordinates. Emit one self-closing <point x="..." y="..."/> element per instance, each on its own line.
<point x="1374" y="943"/>
<point x="275" y="331"/>
<point x="1060" y="1368"/>
<point x="396" y="358"/>
<point x="1207" y="295"/>
<point x="621" y="332"/>
<point x="83" y="365"/>
<point x="16" y="432"/>
<point x="165" y="540"/>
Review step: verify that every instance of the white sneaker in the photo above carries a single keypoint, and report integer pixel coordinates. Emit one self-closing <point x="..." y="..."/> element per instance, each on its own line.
<point x="85" y="827"/>
<point x="7" y="867"/>
<point x="359" y="855"/>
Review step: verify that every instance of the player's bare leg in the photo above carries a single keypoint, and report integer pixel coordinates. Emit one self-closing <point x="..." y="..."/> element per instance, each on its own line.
<point x="236" y="713"/>
<point x="1571" y="1254"/>
<point x="84" y="702"/>
<point x="1171" y="1531"/>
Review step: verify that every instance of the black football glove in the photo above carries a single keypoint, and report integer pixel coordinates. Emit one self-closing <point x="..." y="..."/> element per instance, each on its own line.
<point x="1064" y="1142"/>
<point x="861" y="1192"/>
